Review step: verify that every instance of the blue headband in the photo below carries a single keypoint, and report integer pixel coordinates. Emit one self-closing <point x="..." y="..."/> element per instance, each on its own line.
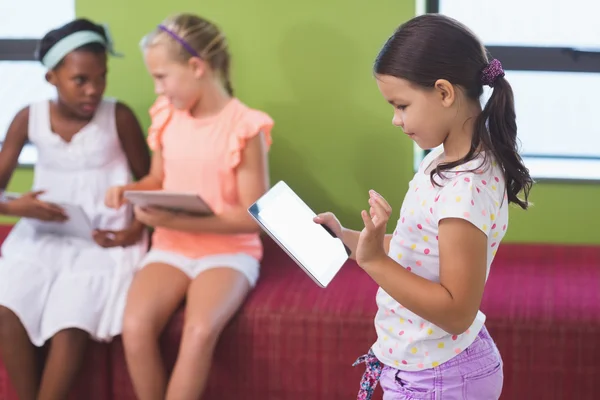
<point x="74" y="41"/>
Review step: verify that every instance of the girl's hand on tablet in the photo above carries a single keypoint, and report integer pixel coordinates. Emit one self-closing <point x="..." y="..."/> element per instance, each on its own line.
<point x="330" y="220"/>
<point x="153" y="216"/>
<point x="114" y="197"/>
<point x="29" y="206"/>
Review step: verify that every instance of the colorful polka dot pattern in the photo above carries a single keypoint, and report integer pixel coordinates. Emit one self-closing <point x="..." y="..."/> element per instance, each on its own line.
<point x="405" y="340"/>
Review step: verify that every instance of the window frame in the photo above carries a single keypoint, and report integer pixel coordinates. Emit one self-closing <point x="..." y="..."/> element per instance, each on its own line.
<point x="20" y="50"/>
<point x="543" y="59"/>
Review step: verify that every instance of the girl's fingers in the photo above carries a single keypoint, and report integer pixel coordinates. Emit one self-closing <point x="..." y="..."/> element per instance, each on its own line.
<point x="367" y="220"/>
<point x="383" y="202"/>
<point x="379" y="212"/>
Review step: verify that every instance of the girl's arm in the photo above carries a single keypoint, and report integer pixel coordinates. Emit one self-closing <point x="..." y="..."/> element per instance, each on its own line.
<point x="153" y="180"/>
<point x="148" y="170"/>
<point x="15" y="140"/>
<point x="453" y="303"/>
<point x="253" y="181"/>
<point x="136" y="150"/>
<point x="27" y="205"/>
<point x="133" y="141"/>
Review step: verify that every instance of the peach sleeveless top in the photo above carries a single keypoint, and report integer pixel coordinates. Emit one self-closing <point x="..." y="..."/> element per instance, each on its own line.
<point x="200" y="156"/>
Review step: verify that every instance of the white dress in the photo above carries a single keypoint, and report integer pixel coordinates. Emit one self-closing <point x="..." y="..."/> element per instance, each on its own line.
<point x="50" y="282"/>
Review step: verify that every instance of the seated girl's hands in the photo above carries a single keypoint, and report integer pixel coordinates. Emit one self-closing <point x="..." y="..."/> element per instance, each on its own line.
<point x="371" y="246"/>
<point x="114" y="197"/>
<point x="330" y="220"/>
<point x="29" y="206"/>
<point x="153" y="216"/>
<point x="123" y="238"/>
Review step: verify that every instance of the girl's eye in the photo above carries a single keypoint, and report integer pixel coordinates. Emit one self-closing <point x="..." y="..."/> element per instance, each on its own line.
<point x="401" y="107"/>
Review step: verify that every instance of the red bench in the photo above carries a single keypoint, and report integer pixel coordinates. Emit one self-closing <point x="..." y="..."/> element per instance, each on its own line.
<point x="295" y="341"/>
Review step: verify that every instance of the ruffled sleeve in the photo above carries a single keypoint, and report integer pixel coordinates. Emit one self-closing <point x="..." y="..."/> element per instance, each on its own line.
<point x="252" y="123"/>
<point x="160" y="114"/>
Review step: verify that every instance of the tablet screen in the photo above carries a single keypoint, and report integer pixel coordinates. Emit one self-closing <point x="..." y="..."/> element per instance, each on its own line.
<point x="286" y="217"/>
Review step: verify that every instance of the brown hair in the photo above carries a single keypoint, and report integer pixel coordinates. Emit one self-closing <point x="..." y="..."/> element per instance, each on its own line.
<point x="202" y="36"/>
<point x="431" y="47"/>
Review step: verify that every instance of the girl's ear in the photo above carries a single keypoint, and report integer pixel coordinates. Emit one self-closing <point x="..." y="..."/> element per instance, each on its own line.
<point x="198" y="66"/>
<point x="51" y="77"/>
<point x="445" y="92"/>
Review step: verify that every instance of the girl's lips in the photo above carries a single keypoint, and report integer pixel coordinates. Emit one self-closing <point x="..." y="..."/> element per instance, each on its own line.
<point x="89" y="107"/>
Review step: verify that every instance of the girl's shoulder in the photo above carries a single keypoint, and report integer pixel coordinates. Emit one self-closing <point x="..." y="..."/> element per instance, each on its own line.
<point x="483" y="168"/>
<point x="240" y="112"/>
<point x="474" y="191"/>
<point x="481" y="177"/>
<point x="246" y="123"/>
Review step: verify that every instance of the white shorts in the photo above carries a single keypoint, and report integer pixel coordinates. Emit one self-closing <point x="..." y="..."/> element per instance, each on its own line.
<point x="192" y="267"/>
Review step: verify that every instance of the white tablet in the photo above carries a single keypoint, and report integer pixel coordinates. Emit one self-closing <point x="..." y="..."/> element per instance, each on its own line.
<point x="289" y="221"/>
<point x="179" y="202"/>
<point x="77" y="225"/>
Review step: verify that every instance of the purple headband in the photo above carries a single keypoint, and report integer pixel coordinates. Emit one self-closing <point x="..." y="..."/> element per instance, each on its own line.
<point x="181" y="41"/>
<point x="491" y="73"/>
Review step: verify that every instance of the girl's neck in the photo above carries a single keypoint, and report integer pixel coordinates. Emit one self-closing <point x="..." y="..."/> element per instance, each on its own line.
<point x="212" y="100"/>
<point x="58" y="108"/>
<point x="458" y="141"/>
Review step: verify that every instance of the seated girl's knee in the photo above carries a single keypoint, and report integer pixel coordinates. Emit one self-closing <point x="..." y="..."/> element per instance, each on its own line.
<point x="136" y="328"/>
<point x="132" y="326"/>
<point x="137" y="337"/>
<point x="200" y="333"/>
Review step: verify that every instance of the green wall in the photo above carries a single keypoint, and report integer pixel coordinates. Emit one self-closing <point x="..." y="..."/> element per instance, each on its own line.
<point x="309" y="65"/>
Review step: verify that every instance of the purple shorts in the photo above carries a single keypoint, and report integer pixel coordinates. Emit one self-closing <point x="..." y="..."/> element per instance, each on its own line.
<point x="475" y="374"/>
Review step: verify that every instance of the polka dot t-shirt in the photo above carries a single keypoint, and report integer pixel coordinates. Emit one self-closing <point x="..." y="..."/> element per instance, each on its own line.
<point x="405" y="340"/>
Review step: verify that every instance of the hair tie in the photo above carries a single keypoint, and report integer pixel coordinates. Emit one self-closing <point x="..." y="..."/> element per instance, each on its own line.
<point x="75" y="40"/>
<point x="180" y="40"/>
<point x="491" y="73"/>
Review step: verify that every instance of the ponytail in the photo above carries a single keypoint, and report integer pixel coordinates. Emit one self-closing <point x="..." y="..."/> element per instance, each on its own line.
<point x="430" y="47"/>
<point x="226" y="76"/>
<point x="496" y="128"/>
<point x="495" y="132"/>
